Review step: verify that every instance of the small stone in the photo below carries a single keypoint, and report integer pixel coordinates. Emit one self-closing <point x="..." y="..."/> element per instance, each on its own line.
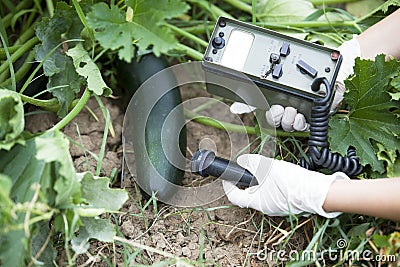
<point x="186" y="252"/>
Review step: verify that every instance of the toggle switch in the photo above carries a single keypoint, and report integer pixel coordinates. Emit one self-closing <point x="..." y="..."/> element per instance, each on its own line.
<point x="274" y="58"/>
<point x="277" y="72"/>
<point x="306" y="68"/>
<point x="285" y="49"/>
<point x="218" y="42"/>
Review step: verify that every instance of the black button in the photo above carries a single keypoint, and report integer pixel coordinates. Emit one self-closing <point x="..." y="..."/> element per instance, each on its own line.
<point x="327" y="69"/>
<point x="218" y="42"/>
<point x="305" y="68"/>
<point x="221" y="34"/>
<point x="222" y="23"/>
<point x="274" y="58"/>
<point x="277" y="72"/>
<point x="285" y="49"/>
<point x="215" y="51"/>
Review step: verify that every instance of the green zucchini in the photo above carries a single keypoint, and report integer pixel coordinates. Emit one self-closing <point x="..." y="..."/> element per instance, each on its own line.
<point x="155" y="124"/>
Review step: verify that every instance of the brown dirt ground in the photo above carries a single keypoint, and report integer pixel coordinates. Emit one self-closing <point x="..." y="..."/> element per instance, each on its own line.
<point x="223" y="234"/>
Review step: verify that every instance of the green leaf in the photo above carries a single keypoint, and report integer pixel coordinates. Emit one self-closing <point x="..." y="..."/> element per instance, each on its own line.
<point x="391" y="158"/>
<point x="381" y="241"/>
<point x="370" y="116"/>
<point x="52" y="32"/>
<point x="358" y="230"/>
<point x="14" y="248"/>
<point x="98" y="194"/>
<point x="11" y="119"/>
<point x="64" y="25"/>
<point x="99" y="229"/>
<point x="6" y="202"/>
<point x="44" y="160"/>
<point x="142" y="24"/>
<point x="396" y="85"/>
<point x="379" y="13"/>
<point x="284" y="10"/>
<point x="363" y="7"/>
<point x="49" y="253"/>
<point x="86" y="68"/>
<point x="68" y="84"/>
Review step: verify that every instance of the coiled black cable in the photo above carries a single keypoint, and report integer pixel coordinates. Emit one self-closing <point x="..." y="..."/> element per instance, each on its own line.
<point x="319" y="156"/>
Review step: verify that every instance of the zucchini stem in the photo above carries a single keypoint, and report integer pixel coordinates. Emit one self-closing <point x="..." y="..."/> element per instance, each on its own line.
<point x="188" y="35"/>
<point x="190" y="51"/>
<point x="235" y="127"/>
<point x="240" y="5"/>
<point x="74" y="112"/>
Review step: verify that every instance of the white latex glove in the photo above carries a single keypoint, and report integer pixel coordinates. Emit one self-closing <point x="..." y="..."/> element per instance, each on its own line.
<point x="288" y="117"/>
<point x="350" y="50"/>
<point x="284" y="188"/>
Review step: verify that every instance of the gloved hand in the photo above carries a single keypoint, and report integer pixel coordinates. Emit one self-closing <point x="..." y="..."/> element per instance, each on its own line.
<point x="284" y="188"/>
<point x="288" y="117"/>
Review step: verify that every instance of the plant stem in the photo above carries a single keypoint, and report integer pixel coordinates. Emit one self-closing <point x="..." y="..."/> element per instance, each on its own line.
<point x="188" y="35"/>
<point x="22" y="71"/>
<point x="214" y="10"/>
<point x="11" y="49"/>
<point x="308" y="24"/>
<point x="190" y="52"/>
<point x="50" y="7"/>
<point x="25" y="36"/>
<point x="240" y="5"/>
<point x="103" y="143"/>
<point x="22" y="5"/>
<point x="298" y="26"/>
<point x="219" y="124"/>
<point x="9" y="61"/>
<point x="75" y="111"/>
<point x="207" y="104"/>
<point x="18" y="54"/>
<point x="253" y="11"/>
<point x="235" y="127"/>
<point x="329" y="2"/>
<point x="50" y="105"/>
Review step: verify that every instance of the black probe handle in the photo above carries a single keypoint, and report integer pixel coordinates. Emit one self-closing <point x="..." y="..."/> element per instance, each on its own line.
<point x="205" y="163"/>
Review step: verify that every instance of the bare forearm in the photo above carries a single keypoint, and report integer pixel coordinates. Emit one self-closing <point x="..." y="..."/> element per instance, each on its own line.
<point x="374" y="197"/>
<point x="382" y="38"/>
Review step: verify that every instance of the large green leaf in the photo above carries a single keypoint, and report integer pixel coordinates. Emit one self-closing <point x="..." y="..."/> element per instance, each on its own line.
<point x="65" y="25"/>
<point x="370" y="116"/>
<point x="391" y="159"/>
<point x="98" y="194"/>
<point x="99" y="197"/>
<point x="48" y="253"/>
<point x="86" y="68"/>
<point x="100" y="229"/>
<point x="44" y="160"/>
<point x="141" y="24"/>
<point x="283" y="10"/>
<point x="11" y="118"/>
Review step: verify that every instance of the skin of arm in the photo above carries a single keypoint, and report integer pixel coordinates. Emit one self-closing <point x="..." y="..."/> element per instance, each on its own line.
<point x="374" y="197"/>
<point x="382" y="38"/>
